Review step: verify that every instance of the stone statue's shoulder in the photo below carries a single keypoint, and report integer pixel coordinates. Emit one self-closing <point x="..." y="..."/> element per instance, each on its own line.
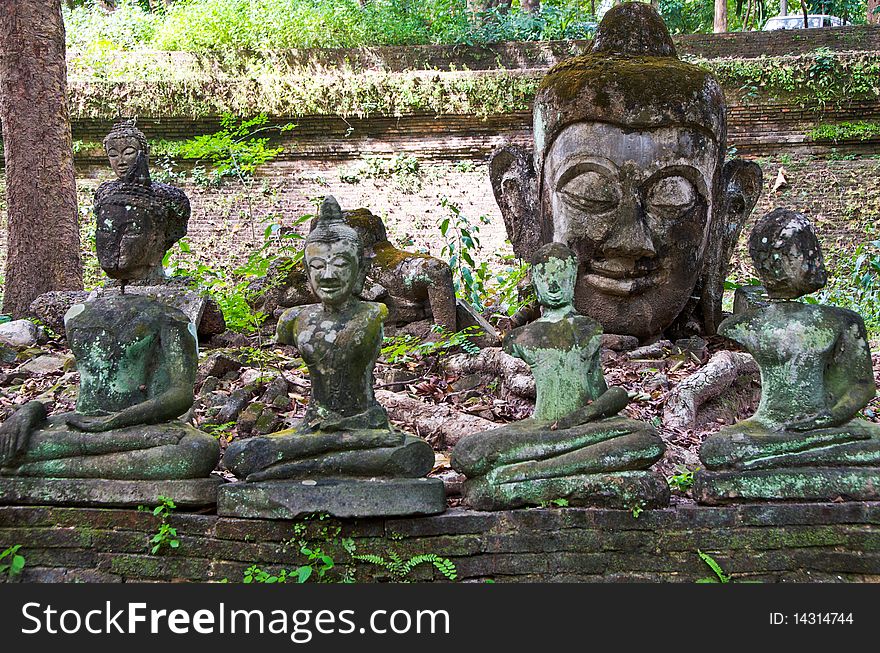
<point x="586" y="326"/>
<point x="376" y="310"/>
<point x="172" y="194"/>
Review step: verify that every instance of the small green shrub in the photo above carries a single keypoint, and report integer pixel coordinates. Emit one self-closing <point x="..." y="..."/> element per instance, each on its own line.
<point x="11" y="562"/>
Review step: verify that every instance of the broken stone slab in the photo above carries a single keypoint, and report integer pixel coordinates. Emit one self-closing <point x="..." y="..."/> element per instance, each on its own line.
<point x="290" y="499"/>
<point x="792" y="484"/>
<point x="47" y="364"/>
<point x="632" y="490"/>
<point x="106" y="493"/>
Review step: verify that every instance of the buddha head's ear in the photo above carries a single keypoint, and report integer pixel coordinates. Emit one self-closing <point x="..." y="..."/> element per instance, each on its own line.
<point x="512" y="173"/>
<point x="741" y="182"/>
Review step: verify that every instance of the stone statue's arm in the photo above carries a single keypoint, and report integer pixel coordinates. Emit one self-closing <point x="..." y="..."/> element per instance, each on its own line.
<point x="607" y="404"/>
<point x="170" y="389"/>
<point x="285" y="332"/>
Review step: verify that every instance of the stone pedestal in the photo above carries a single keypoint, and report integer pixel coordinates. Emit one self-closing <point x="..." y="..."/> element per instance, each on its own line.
<point x="792" y="484"/>
<point x="289" y="499"/>
<point x="624" y="490"/>
<point x="96" y="492"/>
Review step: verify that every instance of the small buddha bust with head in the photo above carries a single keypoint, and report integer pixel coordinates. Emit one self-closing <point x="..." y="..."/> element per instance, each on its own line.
<point x="415" y="287"/>
<point x="628" y="170"/>
<point x="805" y="440"/>
<point x="128" y="153"/>
<point x="137" y="358"/>
<point x="345" y="432"/>
<point x="575" y="447"/>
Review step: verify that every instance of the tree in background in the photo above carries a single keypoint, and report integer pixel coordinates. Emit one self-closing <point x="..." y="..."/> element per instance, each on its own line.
<point x="720" y="23"/>
<point x="873" y="15"/>
<point x="42" y="229"/>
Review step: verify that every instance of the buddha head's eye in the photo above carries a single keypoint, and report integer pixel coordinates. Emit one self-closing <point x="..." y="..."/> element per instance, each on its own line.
<point x="671" y="196"/>
<point x="589" y="191"/>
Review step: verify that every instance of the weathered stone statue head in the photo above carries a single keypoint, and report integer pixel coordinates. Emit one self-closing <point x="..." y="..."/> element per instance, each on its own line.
<point x="787" y="255"/>
<point x="628" y="170"/>
<point x="334" y="257"/>
<point x="554" y="272"/>
<point x="123" y="144"/>
<point x="134" y="226"/>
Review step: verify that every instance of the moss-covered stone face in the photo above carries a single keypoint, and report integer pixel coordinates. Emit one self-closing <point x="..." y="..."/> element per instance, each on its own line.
<point x="628" y="170"/>
<point x="554" y="281"/>
<point x="333" y="270"/>
<point x="635" y="206"/>
<point x="129" y="242"/>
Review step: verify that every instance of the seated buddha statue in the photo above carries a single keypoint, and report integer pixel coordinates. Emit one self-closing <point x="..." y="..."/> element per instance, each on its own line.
<point x="137" y="358"/>
<point x="345" y="432"/>
<point x="805" y="441"/>
<point x="576" y="446"/>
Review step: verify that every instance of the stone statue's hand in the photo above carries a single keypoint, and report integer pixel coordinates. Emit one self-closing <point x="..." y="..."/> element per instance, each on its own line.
<point x="92" y="424"/>
<point x="820" y="420"/>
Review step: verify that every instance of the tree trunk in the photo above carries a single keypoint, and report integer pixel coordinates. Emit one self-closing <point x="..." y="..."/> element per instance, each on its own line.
<point x="783" y="7"/>
<point x="720" y="16"/>
<point x="42" y="222"/>
<point x="873" y="12"/>
<point x="531" y="6"/>
<point x="805" y="11"/>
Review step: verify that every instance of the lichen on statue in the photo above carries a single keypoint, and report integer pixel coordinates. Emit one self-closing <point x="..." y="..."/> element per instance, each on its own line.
<point x="413" y="286"/>
<point x="345" y="432"/>
<point x="137" y="358"/>
<point x="628" y="170"/>
<point x="805" y="440"/>
<point x="576" y="446"/>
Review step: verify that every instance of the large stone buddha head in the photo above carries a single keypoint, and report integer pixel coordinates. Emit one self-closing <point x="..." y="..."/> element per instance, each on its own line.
<point x="628" y="170"/>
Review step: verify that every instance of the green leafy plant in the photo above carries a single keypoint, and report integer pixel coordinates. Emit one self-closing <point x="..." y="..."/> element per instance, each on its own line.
<point x="400" y="568"/>
<point x="237" y="149"/>
<point x="406" y="347"/>
<point x="636" y="509"/>
<point x="553" y="503"/>
<point x="317" y="565"/>
<point x="462" y="242"/>
<point x="683" y="479"/>
<point x="11" y="562"/>
<point x="860" y="130"/>
<point x="166" y="536"/>
<point x="719" y="577"/>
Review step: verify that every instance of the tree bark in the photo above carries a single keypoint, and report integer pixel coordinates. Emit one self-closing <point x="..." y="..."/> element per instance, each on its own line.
<point x="710" y="381"/>
<point x="783" y="7"/>
<point x="43" y="248"/>
<point x="531" y="6"/>
<point x="720" y="16"/>
<point x="873" y="15"/>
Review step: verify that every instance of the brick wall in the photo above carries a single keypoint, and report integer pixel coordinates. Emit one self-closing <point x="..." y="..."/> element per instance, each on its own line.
<point x="773" y="542"/>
